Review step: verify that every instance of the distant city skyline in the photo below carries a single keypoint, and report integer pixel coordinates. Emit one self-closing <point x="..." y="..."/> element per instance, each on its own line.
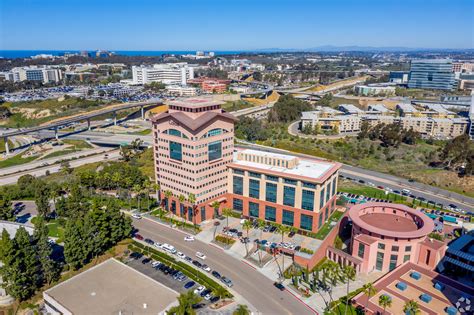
<point x="234" y="25"/>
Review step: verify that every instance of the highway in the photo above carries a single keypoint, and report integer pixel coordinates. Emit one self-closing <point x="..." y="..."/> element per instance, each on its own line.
<point x="253" y="286"/>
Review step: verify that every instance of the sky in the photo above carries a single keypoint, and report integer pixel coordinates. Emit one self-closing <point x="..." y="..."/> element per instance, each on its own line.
<point x="233" y="25"/>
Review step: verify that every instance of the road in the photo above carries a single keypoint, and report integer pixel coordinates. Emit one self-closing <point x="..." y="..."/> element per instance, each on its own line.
<point x="253" y="286"/>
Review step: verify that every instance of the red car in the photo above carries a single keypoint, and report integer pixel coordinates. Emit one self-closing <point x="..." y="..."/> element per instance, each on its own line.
<point x="139" y="237"/>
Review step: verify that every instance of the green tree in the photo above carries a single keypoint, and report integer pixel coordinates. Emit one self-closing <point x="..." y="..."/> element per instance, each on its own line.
<point x="215" y="205"/>
<point x="247" y="226"/>
<point x="283" y="230"/>
<point x="74" y="247"/>
<point x="241" y="310"/>
<point x="411" y="308"/>
<point x="370" y="291"/>
<point x="6" y="209"/>
<point x="186" y="301"/>
<point x="227" y="212"/>
<point x="349" y="274"/>
<point x="42" y="195"/>
<point x="49" y="268"/>
<point x="385" y="301"/>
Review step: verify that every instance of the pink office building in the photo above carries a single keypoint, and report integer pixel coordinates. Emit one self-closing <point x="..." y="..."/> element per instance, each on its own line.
<point x="385" y="236"/>
<point x="194" y="156"/>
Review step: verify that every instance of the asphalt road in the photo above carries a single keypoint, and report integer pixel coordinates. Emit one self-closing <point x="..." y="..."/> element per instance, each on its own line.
<point x="257" y="289"/>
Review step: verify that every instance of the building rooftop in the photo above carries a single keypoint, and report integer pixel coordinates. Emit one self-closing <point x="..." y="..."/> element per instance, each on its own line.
<point x="112" y="288"/>
<point x="378" y="108"/>
<point x="407" y="108"/>
<point x="350" y="108"/>
<point x="463" y="246"/>
<point x="387" y="221"/>
<point x="306" y="169"/>
<point x="195" y="102"/>
<point x="439" y="108"/>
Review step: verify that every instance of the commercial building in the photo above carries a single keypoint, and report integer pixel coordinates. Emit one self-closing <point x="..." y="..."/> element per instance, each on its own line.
<point x="471" y="117"/>
<point x="194" y="156"/>
<point x="399" y="77"/>
<point x="328" y="119"/>
<point x="375" y="89"/>
<point x="434" y="293"/>
<point x="466" y="81"/>
<point x="386" y="235"/>
<point x="436" y="74"/>
<point x="459" y="257"/>
<point x="171" y="73"/>
<point x="211" y="85"/>
<point x="109" y="288"/>
<point x="44" y="74"/>
<point x="180" y="90"/>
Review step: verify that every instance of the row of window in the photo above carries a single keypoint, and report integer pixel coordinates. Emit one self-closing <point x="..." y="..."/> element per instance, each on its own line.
<point x="395" y="248"/>
<point x="393" y="261"/>
<point x="186" y="169"/>
<point x="274" y="178"/>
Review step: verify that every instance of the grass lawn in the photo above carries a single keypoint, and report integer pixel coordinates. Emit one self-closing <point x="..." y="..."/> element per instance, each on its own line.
<point x="353" y="188"/>
<point x="142" y="133"/>
<point x="55" y="230"/>
<point x="78" y="144"/>
<point x="236" y="105"/>
<point x="327" y="227"/>
<point x="2" y="145"/>
<point x="16" y="160"/>
<point x="59" y="153"/>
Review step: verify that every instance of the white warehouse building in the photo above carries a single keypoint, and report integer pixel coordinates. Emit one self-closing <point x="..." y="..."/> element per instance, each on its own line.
<point x="171" y="73"/>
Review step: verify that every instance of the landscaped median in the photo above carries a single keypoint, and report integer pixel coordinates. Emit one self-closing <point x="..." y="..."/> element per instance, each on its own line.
<point x="186" y="269"/>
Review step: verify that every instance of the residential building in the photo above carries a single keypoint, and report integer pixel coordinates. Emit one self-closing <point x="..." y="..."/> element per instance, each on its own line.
<point x="379" y="89"/>
<point x="350" y="109"/>
<point x="434" y="293"/>
<point x="171" y="73"/>
<point x="386" y="235"/>
<point x="194" y="156"/>
<point x="379" y="109"/>
<point x="328" y="119"/>
<point x="436" y="74"/>
<point x="111" y="287"/>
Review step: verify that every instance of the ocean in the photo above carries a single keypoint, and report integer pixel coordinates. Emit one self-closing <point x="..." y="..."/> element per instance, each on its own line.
<point x="29" y="53"/>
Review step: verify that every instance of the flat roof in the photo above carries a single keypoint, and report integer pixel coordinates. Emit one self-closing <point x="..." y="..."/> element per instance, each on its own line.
<point x="195" y="102"/>
<point x="387" y="221"/>
<point x="112" y="288"/>
<point x="316" y="170"/>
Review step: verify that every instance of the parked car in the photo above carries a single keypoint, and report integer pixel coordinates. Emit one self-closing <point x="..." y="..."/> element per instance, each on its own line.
<point x="149" y="241"/>
<point x="189" y="284"/>
<point x="136" y="216"/>
<point x="146" y="261"/>
<point x="197" y="263"/>
<point x="197" y="306"/>
<point x="200" y="255"/>
<point x="291" y="234"/>
<point x="216" y="274"/>
<point x="189" y="238"/>
<point x="138" y="237"/>
<point x="214" y="299"/>
<point x="199" y="289"/>
<point x="136" y="255"/>
<point x="273" y="229"/>
<point x="180" y="255"/>
<point x="205" y="292"/>
<point x="206" y="268"/>
<point x="227" y="281"/>
<point x="188" y="259"/>
<point x="279" y="286"/>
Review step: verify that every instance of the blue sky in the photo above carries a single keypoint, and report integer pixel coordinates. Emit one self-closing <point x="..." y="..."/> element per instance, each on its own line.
<point x="233" y="25"/>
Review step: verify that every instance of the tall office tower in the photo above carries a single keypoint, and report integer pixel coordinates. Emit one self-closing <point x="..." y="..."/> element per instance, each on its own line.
<point x="436" y="74"/>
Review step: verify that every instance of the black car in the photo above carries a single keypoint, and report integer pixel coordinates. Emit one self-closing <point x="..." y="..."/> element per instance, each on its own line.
<point x="397" y="192"/>
<point x="146" y="261"/>
<point x="273" y="229"/>
<point x="216" y="274"/>
<point x="214" y="299"/>
<point x="291" y="234"/>
<point x="279" y="286"/>
<point x="136" y="255"/>
<point x="198" y="305"/>
<point x="189" y="284"/>
<point x="233" y="230"/>
<point x="197" y="263"/>
<point x="188" y="259"/>
<point x="205" y="292"/>
<point x="149" y="241"/>
<point x="361" y="181"/>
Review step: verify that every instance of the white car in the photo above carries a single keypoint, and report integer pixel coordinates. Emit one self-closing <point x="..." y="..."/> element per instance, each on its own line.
<point x="208" y="297"/>
<point x="155" y="263"/>
<point x="199" y="289"/>
<point x="206" y="268"/>
<point x="189" y="238"/>
<point x="180" y="255"/>
<point x="136" y="216"/>
<point x="157" y="244"/>
<point x="200" y="255"/>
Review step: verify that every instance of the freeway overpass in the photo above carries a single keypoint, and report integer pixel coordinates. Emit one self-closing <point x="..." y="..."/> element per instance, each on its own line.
<point x="87" y="117"/>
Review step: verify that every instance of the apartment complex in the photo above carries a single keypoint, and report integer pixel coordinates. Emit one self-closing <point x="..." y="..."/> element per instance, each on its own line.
<point x="328" y="119"/>
<point x="171" y="73"/>
<point x="385" y="89"/>
<point x="436" y="74"/>
<point x="194" y="156"/>
<point x="44" y="74"/>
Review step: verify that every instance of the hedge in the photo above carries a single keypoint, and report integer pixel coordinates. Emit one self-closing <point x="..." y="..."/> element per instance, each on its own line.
<point x="189" y="271"/>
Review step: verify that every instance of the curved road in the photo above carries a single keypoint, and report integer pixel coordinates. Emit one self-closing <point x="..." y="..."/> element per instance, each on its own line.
<point x="253" y="286"/>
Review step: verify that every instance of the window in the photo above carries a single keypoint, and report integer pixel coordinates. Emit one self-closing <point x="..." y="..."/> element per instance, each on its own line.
<point x="381" y="246"/>
<point x="176" y="152"/>
<point x="254" y="210"/>
<point x="240" y="172"/>
<point x="238" y="186"/>
<point x="238" y="205"/>
<point x="271" y="178"/>
<point x="361" y="250"/>
<point x="393" y="262"/>
<point x="290" y="181"/>
<point x="256" y="175"/>
<point x="320" y="221"/>
<point x="333" y="186"/>
<point x="203" y="213"/>
<point x="379" y="262"/>
<point x="214" y="150"/>
<point x="289" y="196"/>
<point x="394" y="248"/>
<point x="270" y="213"/>
<point x="328" y="192"/>
<point x="271" y="192"/>
<point x="306" y="222"/>
<point x="408" y="248"/>
<point x="406" y="258"/>
<point x="254" y="188"/>
<point x="321" y="199"/>
<point x="307" y="200"/>
<point x="214" y="132"/>
<point x="288" y="217"/>
<point x="309" y="185"/>
<point x="174" y="132"/>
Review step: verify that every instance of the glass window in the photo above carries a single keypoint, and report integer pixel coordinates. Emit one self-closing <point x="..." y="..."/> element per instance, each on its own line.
<point x="394" y="248"/>
<point x="306" y="222"/>
<point x="203" y="213"/>
<point x="174" y="132"/>
<point x="321" y="199"/>
<point x="290" y="181"/>
<point x="240" y="172"/>
<point x="406" y="258"/>
<point x="334" y="186"/>
<point x="271" y="178"/>
<point x="379" y="262"/>
<point x="307" y="200"/>
<point x="361" y="250"/>
<point x="408" y="248"/>
<point x="214" y="132"/>
<point x="393" y="262"/>
<point x="254" y="210"/>
<point x="254" y="188"/>
<point x="381" y="246"/>
<point x="320" y="220"/>
<point x="214" y="150"/>
<point x="238" y="205"/>
<point x="328" y="192"/>
<point x="289" y="196"/>
<point x="270" y="213"/>
<point x="256" y="175"/>
<point x="238" y="186"/>
<point x="288" y="217"/>
<point x="309" y="185"/>
<point x="176" y="152"/>
<point x="271" y="192"/>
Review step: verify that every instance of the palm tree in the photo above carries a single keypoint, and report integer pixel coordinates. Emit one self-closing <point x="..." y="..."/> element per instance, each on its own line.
<point x="192" y="201"/>
<point x="331" y="276"/>
<point x="241" y="310"/>
<point x="370" y="291"/>
<point x="216" y="204"/>
<point x="182" y="199"/>
<point x="349" y="274"/>
<point x="220" y="292"/>
<point x="137" y="190"/>
<point x="261" y="225"/>
<point x="283" y="229"/>
<point x="168" y="195"/>
<point x="227" y="212"/>
<point x="385" y="301"/>
<point x="156" y="187"/>
<point x="247" y="226"/>
<point x="186" y="301"/>
<point x="411" y="308"/>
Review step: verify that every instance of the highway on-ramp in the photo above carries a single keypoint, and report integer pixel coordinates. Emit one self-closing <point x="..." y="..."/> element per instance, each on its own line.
<point x="253" y="286"/>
